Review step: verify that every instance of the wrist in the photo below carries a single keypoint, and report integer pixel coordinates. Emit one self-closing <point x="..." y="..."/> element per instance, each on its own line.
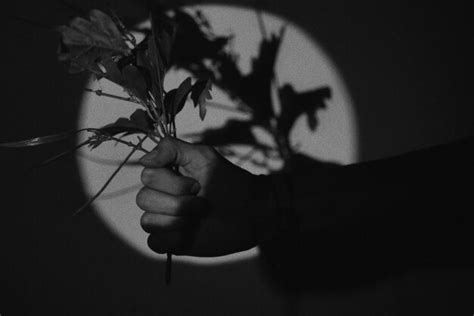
<point x="279" y="213"/>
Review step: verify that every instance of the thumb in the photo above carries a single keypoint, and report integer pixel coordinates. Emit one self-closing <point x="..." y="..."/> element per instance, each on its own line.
<point x="169" y="151"/>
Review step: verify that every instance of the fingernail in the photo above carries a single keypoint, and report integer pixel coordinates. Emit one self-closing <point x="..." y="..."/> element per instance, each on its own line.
<point x="195" y="188"/>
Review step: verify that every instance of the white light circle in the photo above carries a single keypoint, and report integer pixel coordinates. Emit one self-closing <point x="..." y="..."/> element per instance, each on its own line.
<point x="300" y="62"/>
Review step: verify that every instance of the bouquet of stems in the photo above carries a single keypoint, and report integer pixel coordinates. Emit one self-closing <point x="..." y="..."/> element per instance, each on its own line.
<point x="102" y="46"/>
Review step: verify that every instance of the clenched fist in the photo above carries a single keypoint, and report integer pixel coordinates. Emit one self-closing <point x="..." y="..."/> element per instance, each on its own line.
<point x="210" y="208"/>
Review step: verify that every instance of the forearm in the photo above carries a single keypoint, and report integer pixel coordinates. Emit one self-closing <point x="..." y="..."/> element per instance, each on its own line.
<point x="430" y="185"/>
<point x="356" y="223"/>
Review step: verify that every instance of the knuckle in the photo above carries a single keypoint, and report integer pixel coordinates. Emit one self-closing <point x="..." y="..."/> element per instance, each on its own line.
<point x="146" y="176"/>
<point x="175" y="204"/>
<point x="185" y="206"/>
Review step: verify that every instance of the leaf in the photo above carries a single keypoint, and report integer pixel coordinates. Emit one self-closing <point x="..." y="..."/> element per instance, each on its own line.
<point x="112" y="72"/>
<point x="165" y="42"/>
<point x="181" y="95"/>
<point x="140" y="118"/>
<point x="156" y="56"/>
<point x="123" y="30"/>
<point x="199" y="94"/>
<point x="84" y="42"/>
<point x="134" y="82"/>
<point x="169" y="101"/>
<point x="108" y="27"/>
<point x="36" y="141"/>
<point x="138" y="122"/>
<point x="164" y="32"/>
<point x="175" y="99"/>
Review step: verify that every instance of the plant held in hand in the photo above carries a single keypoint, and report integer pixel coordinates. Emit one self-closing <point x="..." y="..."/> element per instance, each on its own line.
<point x="102" y="46"/>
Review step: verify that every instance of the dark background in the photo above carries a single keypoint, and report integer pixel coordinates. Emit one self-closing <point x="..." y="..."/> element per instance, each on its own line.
<point x="408" y="67"/>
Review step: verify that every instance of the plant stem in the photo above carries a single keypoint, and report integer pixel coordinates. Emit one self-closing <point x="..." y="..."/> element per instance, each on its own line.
<point x="169" y="255"/>
<point x="153" y="138"/>
<point x="100" y="93"/>
<point x="60" y="155"/>
<point x="169" y="263"/>
<point x="130" y="144"/>
<point x="106" y="184"/>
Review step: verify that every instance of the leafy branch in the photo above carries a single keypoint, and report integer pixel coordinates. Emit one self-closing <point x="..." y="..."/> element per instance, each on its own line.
<point x="102" y="46"/>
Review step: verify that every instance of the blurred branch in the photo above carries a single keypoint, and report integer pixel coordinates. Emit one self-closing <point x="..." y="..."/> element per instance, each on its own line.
<point x="227" y="107"/>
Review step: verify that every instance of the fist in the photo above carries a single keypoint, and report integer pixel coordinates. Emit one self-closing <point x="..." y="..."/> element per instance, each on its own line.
<point x="197" y="203"/>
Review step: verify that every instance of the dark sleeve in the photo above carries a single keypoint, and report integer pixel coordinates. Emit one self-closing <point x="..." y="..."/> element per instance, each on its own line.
<point x="431" y="185"/>
<point x="365" y="221"/>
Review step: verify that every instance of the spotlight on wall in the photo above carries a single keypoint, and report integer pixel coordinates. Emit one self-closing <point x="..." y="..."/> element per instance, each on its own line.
<point x="300" y="62"/>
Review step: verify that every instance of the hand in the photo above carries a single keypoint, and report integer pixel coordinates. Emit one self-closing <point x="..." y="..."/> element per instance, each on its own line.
<point x="211" y="208"/>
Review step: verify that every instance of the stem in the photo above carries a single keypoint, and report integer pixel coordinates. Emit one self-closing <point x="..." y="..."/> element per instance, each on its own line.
<point x="130" y="144"/>
<point x="106" y="184"/>
<point x="111" y="195"/>
<point x="168" y="268"/>
<point x="163" y="128"/>
<point x="60" y="155"/>
<point x="169" y="255"/>
<point x="152" y="108"/>
<point x="107" y="162"/>
<point x="173" y="130"/>
<point x="100" y="93"/>
<point x="153" y="138"/>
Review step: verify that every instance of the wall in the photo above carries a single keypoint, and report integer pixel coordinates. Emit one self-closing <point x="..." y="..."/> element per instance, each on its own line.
<point x="407" y="66"/>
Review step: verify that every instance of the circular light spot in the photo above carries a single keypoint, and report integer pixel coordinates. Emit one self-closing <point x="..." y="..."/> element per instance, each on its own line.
<point x="300" y="62"/>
